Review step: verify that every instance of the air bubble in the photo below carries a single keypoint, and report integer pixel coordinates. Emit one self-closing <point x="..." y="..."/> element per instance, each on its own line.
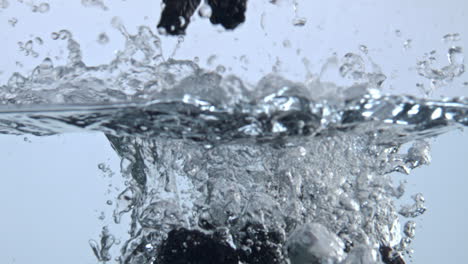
<point x="410" y="229"/>
<point x="180" y="39"/>
<point x="54" y="35"/>
<point x="43" y="8"/>
<point x="28" y="45"/>
<point x="182" y="21"/>
<point x="205" y="11"/>
<point x="38" y="40"/>
<point x="64" y="34"/>
<point x="220" y="69"/>
<point x="455" y="55"/>
<point x="103" y="39"/>
<point x="162" y="31"/>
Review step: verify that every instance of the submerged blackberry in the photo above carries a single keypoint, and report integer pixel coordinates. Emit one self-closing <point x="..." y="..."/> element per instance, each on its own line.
<point x="184" y="246"/>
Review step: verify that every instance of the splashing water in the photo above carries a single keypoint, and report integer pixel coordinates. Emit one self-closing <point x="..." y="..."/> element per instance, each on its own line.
<point x="281" y="171"/>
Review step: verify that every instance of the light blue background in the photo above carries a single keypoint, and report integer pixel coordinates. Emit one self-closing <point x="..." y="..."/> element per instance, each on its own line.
<point x="52" y="191"/>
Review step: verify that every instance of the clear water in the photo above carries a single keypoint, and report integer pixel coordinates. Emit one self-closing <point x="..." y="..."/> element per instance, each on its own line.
<point x="296" y="171"/>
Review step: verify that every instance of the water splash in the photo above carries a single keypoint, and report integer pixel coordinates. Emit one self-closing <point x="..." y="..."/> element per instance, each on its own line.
<point x="440" y="77"/>
<point x="101" y="249"/>
<point x="282" y="170"/>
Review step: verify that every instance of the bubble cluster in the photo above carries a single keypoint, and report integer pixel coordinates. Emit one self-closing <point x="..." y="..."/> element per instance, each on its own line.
<point x="442" y="76"/>
<point x="28" y="48"/>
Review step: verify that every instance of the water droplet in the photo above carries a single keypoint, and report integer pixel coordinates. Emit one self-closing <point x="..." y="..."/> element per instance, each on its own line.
<point x="43" y="8"/>
<point x="262" y="21"/>
<point x="44" y="68"/>
<point x="102" y="166"/>
<point x="211" y="60"/>
<point x="205" y="11"/>
<point x="451" y="37"/>
<point x="363" y="49"/>
<point x="398" y="33"/>
<point x="182" y="21"/>
<point x="54" y="35"/>
<point x="415" y="209"/>
<point x="12" y="21"/>
<point x="103" y="39"/>
<point x="407" y="44"/>
<point x="4" y="4"/>
<point x="64" y="34"/>
<point x="38" y="40"/>
<point x="94" y="3"/>
<point x="208" y="146"/>
<point x="220" y="69"/>
<point x="109" y="202"/>
<point x="425" y="90"/>
<point x="28" y="45"/>
<point x="410" y="229"/>
<point x="352" y="66"/>
<point x="180" y="39"/>
<point x="455" y="55"/>
<point x="95" y="248"/>
<point x="116" y="22"/>
<point x="102" y="216"/>
<point x="299" y="21"/>
<point x="162" y="31"/>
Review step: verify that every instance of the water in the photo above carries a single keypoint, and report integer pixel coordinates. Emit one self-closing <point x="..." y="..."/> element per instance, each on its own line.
<point x="267" y="173"/>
